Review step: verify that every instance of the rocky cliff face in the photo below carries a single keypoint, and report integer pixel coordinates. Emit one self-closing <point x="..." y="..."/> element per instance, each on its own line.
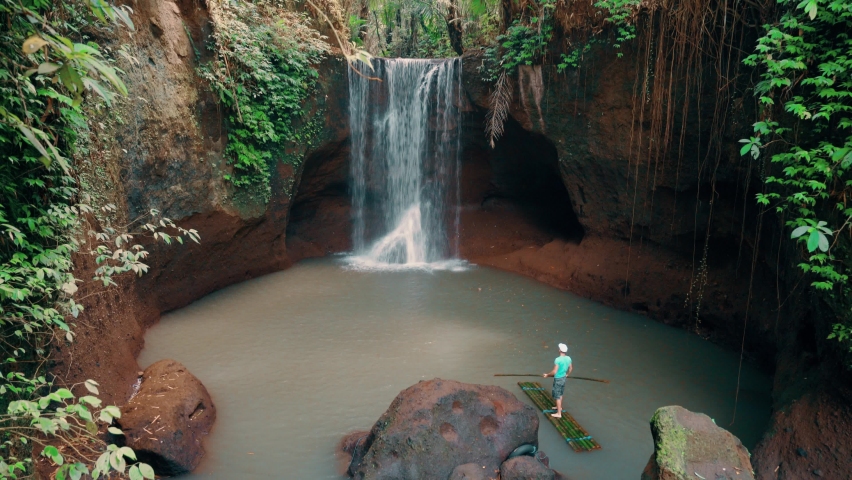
<point x="619" y="227"/>
<point x="162" y="148"/>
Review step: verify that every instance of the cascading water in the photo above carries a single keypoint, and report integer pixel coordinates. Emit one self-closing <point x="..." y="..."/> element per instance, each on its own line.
<point x="404" y="125"/>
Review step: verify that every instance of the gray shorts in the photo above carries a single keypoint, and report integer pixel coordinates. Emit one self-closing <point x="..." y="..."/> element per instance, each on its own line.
<point x="558" y="388"/>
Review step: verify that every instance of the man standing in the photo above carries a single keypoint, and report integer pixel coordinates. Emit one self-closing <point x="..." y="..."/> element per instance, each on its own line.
<point x="562" y="367"/>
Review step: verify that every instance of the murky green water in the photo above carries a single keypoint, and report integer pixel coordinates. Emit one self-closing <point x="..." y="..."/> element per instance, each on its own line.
<point x="296" y="359"/>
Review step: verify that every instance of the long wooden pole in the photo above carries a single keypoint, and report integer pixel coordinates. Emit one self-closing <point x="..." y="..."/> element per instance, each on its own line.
<point x="535" y="375"/>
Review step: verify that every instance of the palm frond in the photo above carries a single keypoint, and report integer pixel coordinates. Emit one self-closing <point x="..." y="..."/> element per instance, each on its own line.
<point x="498" y="108"/>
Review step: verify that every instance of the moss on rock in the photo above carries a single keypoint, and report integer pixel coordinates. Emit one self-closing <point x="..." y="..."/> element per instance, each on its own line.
<point x="690" y="445"/>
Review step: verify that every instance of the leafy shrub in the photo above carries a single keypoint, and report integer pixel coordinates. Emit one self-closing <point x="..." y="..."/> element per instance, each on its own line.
<point x="526" y="40"/>
<point x="262" y="73"/>
<point x="805" y="89"/>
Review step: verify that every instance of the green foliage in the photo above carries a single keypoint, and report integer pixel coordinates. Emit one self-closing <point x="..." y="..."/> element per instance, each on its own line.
<point x="113" y="249"/>
<point x="262" y="73"/>
<point x="355" y="28"/>
<point x="805" y="90"/>
<point x="526" y="40"/>
<point x="44" y="79"/>
<point x="817" y="235"/>
<point x="62" y="414"/>
<point x="418" y="29"/>
<point x="621" y="14"/>
<point x="573" y="58"/>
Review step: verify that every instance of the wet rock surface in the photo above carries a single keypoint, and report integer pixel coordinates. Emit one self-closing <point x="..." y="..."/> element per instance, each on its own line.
<point x="689" y="445"/>
<point x="167" y="419"/>
<point x="437" y="425"/>
<point x="470" y="471"/>
<point x="352" y="448"/>
<point x="525" y="468"/>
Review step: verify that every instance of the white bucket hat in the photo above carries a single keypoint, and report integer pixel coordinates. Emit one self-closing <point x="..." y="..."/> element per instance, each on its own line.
<point x="563" y="348"/>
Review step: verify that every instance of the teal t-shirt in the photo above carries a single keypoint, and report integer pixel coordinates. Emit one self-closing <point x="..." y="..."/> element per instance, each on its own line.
<point x="562" y="362"/>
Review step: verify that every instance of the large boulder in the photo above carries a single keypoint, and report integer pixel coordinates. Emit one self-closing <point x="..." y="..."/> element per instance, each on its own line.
<point x="434" y="426"/>
<point x="689" y="445"/>
<point x="166" y="420"/>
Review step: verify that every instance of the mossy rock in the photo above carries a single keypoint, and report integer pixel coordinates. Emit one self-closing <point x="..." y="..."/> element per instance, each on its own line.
<point x="689" y="446"/>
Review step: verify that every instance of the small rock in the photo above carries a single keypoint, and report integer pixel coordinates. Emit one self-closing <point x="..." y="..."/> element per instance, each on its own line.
<point x="525" y="468"/>
<point x="818" y="472"/>
<point x="350" y="441"/>
<point x="354" y="446"/>
<point x="802" y="452"/>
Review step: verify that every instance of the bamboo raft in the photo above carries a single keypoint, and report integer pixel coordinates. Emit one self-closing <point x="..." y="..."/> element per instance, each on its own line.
<point x="576" y="436"/>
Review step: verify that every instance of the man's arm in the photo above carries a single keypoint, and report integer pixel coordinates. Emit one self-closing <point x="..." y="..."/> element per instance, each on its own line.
<point x="552" y="372"/>
<point x="570" y="368"/>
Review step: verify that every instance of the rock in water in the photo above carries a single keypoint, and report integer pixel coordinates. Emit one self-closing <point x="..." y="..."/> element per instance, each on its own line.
<point x="165" y="421"/>
<point x="352" y="448"/>
<point x="525" y="468"/>
<point x="434" y="426"/>
<point x="688" y="444"/>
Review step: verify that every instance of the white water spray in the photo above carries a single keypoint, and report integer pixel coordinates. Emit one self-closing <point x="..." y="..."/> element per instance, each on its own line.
<point x="405" y="163"/>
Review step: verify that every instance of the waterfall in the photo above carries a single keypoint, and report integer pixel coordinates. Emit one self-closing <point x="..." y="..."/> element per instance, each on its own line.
<point x="405" y="164"/>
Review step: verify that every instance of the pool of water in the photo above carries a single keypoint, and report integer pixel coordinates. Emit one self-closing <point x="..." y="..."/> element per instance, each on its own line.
<point x="296" y="359"/>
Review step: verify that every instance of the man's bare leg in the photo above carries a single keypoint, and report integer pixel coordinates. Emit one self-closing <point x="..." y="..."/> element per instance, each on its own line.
<point x="558" y="413"/>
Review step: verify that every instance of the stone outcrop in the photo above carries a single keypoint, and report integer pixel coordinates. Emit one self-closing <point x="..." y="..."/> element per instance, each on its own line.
<point x="434" y="426"/>
<point x="352" y="448"/>
<point x="689" y="445"/>
<point x="165" y="422"/>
